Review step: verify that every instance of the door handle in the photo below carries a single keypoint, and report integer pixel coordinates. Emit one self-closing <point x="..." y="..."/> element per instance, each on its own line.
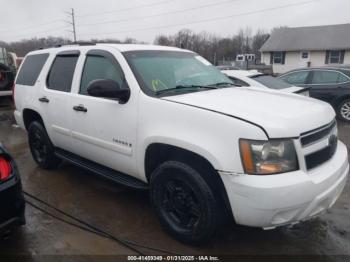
<point x="44" y="99"/>
<point x="80" y="108"/>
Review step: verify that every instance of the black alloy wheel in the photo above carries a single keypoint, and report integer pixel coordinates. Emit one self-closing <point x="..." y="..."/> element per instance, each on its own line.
<point x="184" y="202"/>
<point x="41" y="147"/>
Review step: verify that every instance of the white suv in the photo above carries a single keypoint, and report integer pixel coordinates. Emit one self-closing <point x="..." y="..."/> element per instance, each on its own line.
<point x="164" y="119"/>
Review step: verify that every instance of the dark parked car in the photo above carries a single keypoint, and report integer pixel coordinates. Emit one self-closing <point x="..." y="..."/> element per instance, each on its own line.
<point x="11" y="198"/>
<point x="330" y="84"/>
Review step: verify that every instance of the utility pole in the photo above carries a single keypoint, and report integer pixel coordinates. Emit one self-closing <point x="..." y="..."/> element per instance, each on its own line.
<point x="72" y="23"/>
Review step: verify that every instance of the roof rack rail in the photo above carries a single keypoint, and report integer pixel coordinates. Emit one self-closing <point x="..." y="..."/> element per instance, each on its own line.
<point x="83" y="43"/>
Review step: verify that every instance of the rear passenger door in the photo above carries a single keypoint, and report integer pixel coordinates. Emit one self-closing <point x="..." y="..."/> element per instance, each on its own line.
<point x="56" y="96"/>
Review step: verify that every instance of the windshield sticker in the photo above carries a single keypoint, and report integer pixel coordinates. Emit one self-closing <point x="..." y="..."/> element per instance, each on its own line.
<point x="203" y="60"/>
<point x="158" y="85"/>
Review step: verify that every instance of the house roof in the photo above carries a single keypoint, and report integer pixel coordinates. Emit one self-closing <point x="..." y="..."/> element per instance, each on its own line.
<point x="326" y="37"/>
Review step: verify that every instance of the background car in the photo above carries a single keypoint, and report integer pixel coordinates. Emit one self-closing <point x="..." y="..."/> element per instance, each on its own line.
<point x="8" y="68"/>
<point x="227" y="67"/>
<point x="330" y="84"/>
<point x="257" y="79"/>
<point x="12" y="203"/>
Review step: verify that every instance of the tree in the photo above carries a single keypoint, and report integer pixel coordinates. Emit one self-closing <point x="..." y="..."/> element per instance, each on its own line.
<point x="208" y="45"/>
<point x="213" y="47"/>
<point x="258" y="40"/>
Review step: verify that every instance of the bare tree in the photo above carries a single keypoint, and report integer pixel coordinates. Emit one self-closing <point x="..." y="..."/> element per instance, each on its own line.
<point x="210" y="46"/>
<point x="213" y="47"/>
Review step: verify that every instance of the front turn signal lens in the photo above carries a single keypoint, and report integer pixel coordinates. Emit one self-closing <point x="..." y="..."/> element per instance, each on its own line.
<point x="246" y="154"/>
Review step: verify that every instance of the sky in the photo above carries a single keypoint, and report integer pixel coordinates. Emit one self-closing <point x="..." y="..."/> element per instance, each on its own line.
<point x="145" y="19"/>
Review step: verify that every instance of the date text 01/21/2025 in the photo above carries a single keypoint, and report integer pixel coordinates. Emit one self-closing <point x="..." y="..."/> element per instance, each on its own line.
<point x="173" y="258"/>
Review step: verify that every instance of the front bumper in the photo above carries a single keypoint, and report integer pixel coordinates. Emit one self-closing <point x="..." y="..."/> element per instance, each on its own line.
<point x="275" y="200"/>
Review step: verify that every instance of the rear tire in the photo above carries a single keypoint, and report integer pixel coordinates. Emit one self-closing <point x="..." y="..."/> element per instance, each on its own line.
<point x="344" y="110"/>
<point x="41" y="147"/>
<point x="184" y="202"/>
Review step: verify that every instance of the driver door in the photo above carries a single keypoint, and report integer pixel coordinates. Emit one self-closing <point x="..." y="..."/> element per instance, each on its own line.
<point x="103" y="130"/>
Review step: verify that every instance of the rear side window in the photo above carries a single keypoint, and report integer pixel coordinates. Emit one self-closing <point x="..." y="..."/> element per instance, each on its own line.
<point x="61" y="73"/>
<point x="328" y="77"/>
<point x="271" y="82"/>
<point x="31" y="69"/>
<point x="296" y="78"/>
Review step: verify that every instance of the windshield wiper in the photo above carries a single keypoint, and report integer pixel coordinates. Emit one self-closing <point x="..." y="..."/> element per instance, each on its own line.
<point x="184" y="87"/>
<point x="225" y="84"/>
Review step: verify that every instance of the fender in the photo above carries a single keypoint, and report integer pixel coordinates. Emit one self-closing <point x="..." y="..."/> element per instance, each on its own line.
<point x="171" y="141"/>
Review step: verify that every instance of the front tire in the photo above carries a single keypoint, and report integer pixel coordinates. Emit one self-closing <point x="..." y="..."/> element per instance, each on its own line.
<point x="344" y="110"/>
<point x="41" y="147"/>
<point x="184" y="202"/>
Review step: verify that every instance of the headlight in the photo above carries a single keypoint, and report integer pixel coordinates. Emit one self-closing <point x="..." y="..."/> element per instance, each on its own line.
<point x="268" y="157"/>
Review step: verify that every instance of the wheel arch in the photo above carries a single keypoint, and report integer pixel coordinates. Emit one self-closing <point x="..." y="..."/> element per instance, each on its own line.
<point x="157" y="153"/>
<point x="340" y="99"/>
<point x="30" y="115"/>
<point x="337" y="106"/>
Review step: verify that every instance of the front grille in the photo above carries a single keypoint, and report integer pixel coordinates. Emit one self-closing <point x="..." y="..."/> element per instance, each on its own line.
<point x="319" y="157"/>
<point x="313" y="136"/>
<point x="307" y="140"/>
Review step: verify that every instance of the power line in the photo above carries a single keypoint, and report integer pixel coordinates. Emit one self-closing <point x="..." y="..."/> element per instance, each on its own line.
<point x="208" y="20"/>
<point x="32" y="26"/>
<point x="161" y="14"/>
<point x="33" y="34"/>
<point x="37" y="33"/>
<point x="126" y="9"/>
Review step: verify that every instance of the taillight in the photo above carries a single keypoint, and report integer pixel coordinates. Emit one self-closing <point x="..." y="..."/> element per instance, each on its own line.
<point x="5" y="169"/>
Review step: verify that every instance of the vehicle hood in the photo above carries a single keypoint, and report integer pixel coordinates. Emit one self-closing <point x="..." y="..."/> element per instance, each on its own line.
<point x="292" y="89"/>
<point x="278" y="113"/>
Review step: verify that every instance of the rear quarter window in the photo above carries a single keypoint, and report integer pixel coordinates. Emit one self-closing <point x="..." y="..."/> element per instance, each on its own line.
<point x="31" y="68"/>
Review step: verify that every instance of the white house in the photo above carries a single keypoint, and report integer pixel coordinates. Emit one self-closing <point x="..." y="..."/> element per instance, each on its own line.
<point x="315" y="46"/>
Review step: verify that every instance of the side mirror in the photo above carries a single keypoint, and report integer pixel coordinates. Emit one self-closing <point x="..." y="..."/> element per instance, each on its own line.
<point x="108" y="88"/>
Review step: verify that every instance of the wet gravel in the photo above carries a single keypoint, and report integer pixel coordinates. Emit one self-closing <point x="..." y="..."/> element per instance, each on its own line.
<point x="127" y="213"/>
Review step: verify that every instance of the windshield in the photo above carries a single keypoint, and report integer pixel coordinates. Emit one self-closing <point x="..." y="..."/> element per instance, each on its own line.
<point x="160" y="71"/>
<point x="271" y="82"/>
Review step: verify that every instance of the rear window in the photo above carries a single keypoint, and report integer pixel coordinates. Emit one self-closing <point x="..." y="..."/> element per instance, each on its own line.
<point x="271" y="82"/>
<point x="238" y="81"/>
<point x="61" y="73"/>
<point x="31" y="69"/>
